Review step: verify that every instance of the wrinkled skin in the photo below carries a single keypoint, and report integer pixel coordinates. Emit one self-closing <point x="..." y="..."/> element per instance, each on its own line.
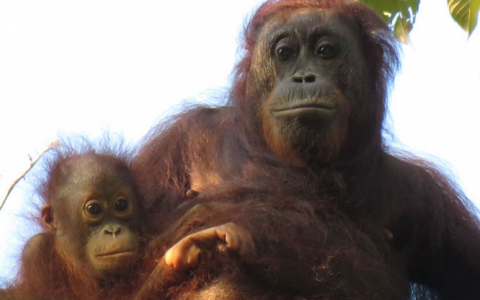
<point x="313" y="93"/>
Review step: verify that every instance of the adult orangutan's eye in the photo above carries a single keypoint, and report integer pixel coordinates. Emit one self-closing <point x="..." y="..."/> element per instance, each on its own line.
<point x="326" y="51"/>
<point x="284" y="53"/>
<point x="285" y="49"/>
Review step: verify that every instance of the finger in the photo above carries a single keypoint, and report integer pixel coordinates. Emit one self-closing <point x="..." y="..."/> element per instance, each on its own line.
<point x="222" y="248"/>
<point x="238" y="239"/>
<point x="178" y="253"/>
<point x="207" y="237"/>
<point x="232" y="238"/>
<point x="192" y="259"/>
<point x="171" y="257"/>
<point x="190" y="194"/>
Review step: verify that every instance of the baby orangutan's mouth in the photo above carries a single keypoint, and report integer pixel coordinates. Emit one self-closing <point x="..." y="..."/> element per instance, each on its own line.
<point x="116" y="254"/>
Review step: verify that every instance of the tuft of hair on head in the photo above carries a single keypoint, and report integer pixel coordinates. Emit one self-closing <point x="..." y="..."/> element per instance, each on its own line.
<point x="73" y="146"/>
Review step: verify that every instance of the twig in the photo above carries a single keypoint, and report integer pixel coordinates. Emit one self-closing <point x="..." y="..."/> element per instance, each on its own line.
<point x="32" y="164"/>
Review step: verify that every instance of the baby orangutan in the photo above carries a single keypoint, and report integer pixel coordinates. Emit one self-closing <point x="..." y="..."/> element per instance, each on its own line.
<point x="94" y="244"/>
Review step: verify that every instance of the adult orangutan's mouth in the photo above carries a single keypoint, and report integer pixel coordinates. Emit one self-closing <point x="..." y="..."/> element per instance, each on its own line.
<point x="321" y="108"/>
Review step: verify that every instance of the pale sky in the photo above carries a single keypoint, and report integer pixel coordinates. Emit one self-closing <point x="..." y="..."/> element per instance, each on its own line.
<point x="88" y="66"/>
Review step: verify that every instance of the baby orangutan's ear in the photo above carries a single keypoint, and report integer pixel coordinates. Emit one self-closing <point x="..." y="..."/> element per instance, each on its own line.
<point x="48" y="218"/>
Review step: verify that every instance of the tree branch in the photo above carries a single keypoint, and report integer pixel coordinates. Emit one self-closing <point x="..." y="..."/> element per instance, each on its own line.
<point x="32" y="164"/>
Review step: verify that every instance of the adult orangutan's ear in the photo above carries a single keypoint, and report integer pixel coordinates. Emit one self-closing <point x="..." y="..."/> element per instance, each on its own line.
<point x="48" y="217"/>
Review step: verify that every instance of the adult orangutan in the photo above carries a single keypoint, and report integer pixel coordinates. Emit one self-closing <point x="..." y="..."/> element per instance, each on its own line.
<point x="306" y="111"/>
<point x="302" y="250"/>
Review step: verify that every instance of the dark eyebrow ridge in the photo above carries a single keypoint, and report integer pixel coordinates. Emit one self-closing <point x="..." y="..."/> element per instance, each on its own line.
<point x="278" y="34"/>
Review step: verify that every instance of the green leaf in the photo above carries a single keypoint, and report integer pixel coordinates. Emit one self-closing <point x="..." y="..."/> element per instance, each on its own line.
<point x="398" y="14"/>
<point x="465" y="13"/>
